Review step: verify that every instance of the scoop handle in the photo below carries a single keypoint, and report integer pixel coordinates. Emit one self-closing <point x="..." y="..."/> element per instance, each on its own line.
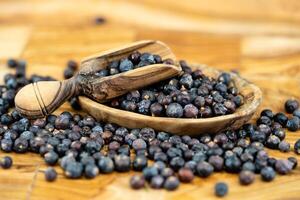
<point x="39" y="99"/>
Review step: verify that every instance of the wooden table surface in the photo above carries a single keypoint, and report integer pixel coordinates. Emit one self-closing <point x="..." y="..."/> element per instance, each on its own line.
<point x="260" y="39"/>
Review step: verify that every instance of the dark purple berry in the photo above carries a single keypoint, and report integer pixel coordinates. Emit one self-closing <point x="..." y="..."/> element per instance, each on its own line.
<point x="50" y="174"/>
<point x="171" y="183"/>
<point x="137" y="182"/>
<point x="246" y="177"/>
<point x="6" y="162"/>
<point x="291" y="105"/>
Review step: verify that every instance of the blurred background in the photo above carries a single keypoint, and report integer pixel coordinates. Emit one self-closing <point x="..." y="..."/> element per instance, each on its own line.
<point x="258" y="38"/>
<point x="254" y="37"/>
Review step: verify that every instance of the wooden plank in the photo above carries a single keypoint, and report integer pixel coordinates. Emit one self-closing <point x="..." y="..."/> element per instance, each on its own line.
<point x="199" y="31"/>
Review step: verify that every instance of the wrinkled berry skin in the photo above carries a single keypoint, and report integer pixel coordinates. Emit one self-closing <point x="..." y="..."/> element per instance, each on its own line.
<point x="221" y="189"/>
<point x="174" y="110"/>
<point x="50" y="174"/>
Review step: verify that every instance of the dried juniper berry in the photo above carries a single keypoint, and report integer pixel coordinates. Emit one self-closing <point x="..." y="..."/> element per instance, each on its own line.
<point x="6" y="145"/>
<point x="176" y="163"/>
<point x="174" y="110"/>
<point x="190" y="111"/>
<point x="157" y="110"/>
<point x="297" y="147"/>
<point x="171" y="183"/>
<point x="167" y="172"/>
<point x="157" y="182"/>
<point x="6" y="162"/>
<point x="139" y="144"/>
<point x="122" y="163"/>
<point x="147" y="134"/>
<point x="294" y="161"/>
<point x="204" y="169"/>
<point x="267" y="174"/>
<point x="246" y="177"/>
<point x="281" y="118"/>
<point x="137" y="182"/>
<point x="185" y="175"/>
<point x="91" y="171"/>
<point x="221" y="189"/>
<point x="283" y="166"/>
<point x="273" y="142"/>
<point x="150" y="172"/>
<point x="106" y="165"/>
<point x="296" y="113"/>
<point x="50" y="174"/>
<point x="291" y="105"/>
<point x="73" y="170"/>
<point x="284" y="146"/>
<point x="51" y="158"/>
<point x="139" y="163"/>
<point x="21" y="145"/>
<point x="248" y="166"/>
<point x="217" y="162"/>
<point x="293" y="124"/>
<point x="232" y="164"/>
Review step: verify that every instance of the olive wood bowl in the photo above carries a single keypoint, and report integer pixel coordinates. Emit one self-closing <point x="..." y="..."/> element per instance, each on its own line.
<point x="181" y="126"/>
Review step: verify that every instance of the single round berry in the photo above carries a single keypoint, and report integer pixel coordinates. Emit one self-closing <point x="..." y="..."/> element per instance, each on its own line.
<point x="293" y="124"/>
<point x="284" y="146"/>
<point x="157" y="182"/>
<point x="267" y="174"/>
<point x="50" y="174"/>
<point x="137" y="182"/>
<point x="204" y="169"/>
<point x="221" y="189"/>
<point x="6" y="162"/>
<point x="291" y="105"/>
<point x="246" y="177"/>
<point x="174" y="110"/>
<point x="171" y="183"/>
<point x="91" y="171"/>
<point x="185" y="175"/>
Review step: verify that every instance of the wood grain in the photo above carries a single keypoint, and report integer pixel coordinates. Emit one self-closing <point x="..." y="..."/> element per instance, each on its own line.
<point x="62" y="30"/>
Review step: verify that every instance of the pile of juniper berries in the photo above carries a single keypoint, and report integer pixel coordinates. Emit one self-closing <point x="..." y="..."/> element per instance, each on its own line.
<point x="83" y="146"/>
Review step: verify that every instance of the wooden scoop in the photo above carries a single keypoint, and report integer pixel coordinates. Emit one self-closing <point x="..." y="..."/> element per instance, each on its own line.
<point x="42" y="98"/>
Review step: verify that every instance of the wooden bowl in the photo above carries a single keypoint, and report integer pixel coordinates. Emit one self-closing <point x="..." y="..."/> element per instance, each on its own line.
<point x="181" y="126"/>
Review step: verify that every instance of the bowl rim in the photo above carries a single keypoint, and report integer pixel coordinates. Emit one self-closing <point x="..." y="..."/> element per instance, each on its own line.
<point x="241" y="111"/>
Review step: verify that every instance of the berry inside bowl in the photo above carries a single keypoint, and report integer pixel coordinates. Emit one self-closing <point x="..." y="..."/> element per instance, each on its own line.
<point x="252" y="98"/>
